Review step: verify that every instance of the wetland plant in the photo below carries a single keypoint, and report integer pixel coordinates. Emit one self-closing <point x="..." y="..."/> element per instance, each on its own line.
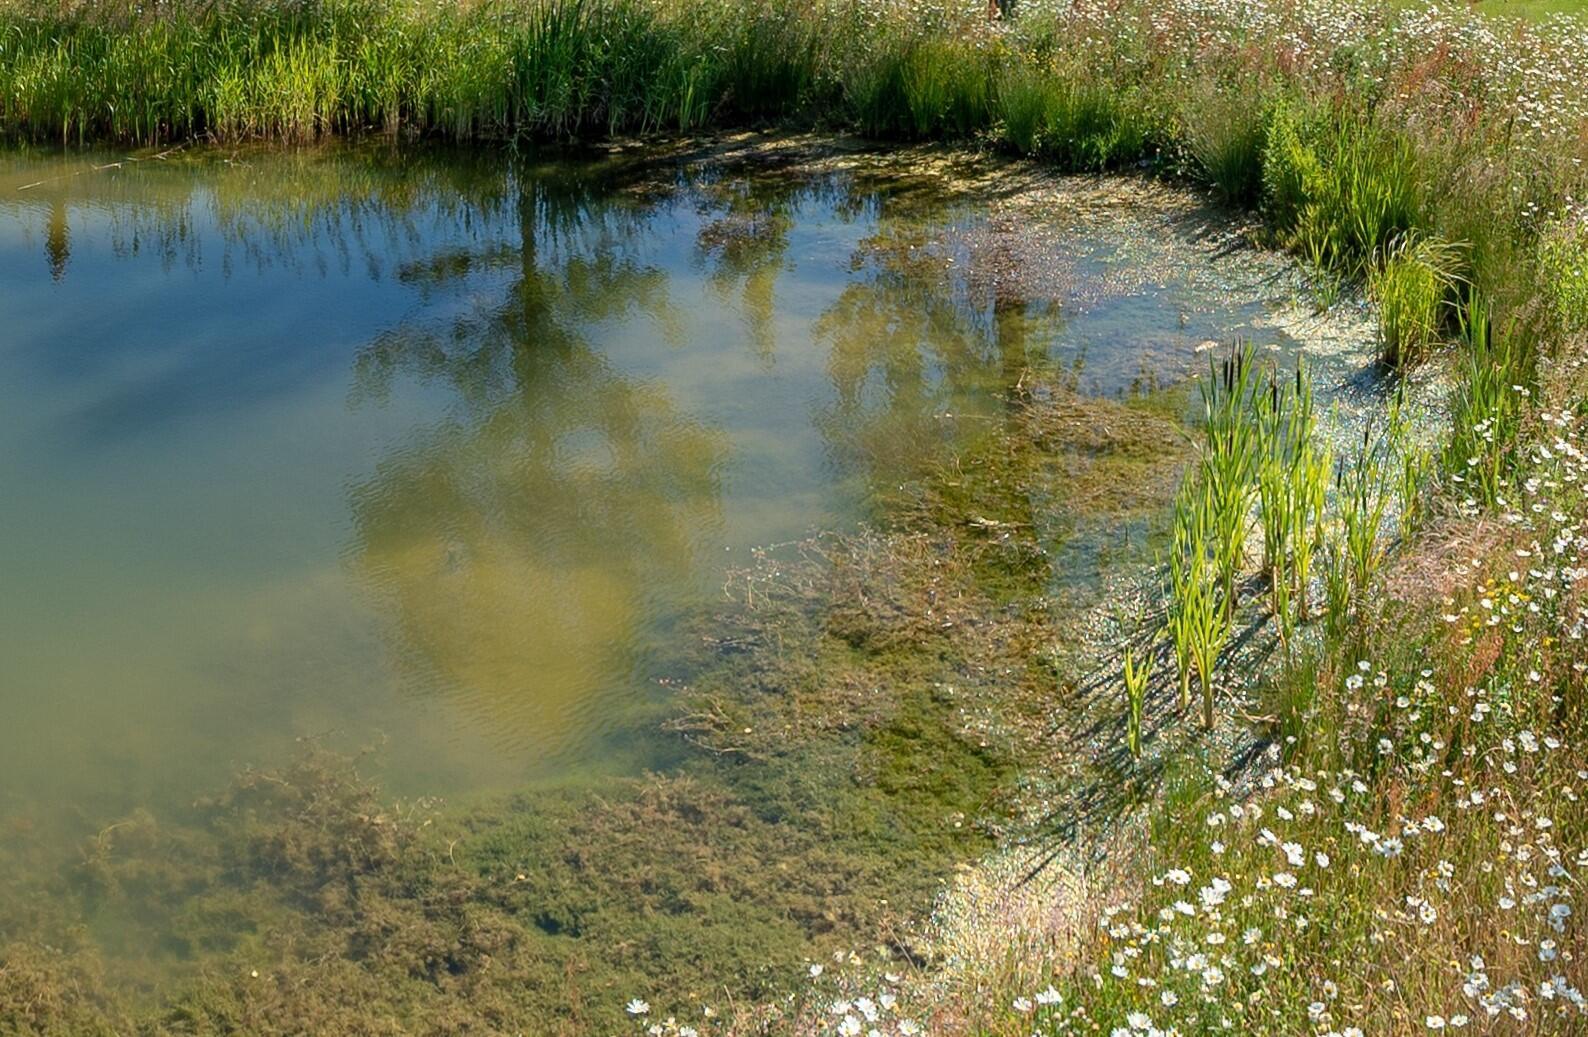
<point x="1415" y="287"/>
<point x="1292" y="487"/>
<point x="1336" y="586"/>
<point x="1188" y="575"/>
<point x="1362" y="490"/>
<point x="1136" y="677"/>
<point x="1198" y="620"/>
<point x="1411" y="463"/>
<point x="1231" y="442"/>
<point x="1497" y="369"/>
<point x="1310" y="501"/>
<point x="1210" y="623"/>
<point x="1224" y="133"/>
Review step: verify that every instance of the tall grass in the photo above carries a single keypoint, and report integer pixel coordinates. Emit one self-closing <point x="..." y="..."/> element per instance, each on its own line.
<point x="1071" y="117"/>
<point x="1416" y="287"/>
<point x="1340" y="187"/>
<point x="1225" y="130"/>
<point x="553" y="68"/>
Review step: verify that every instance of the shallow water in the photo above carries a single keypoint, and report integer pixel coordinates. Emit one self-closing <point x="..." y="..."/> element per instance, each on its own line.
<point x="445" y="451"/>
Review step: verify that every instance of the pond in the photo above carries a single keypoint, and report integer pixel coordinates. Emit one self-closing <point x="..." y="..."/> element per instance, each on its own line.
<point x="450" y="452"/>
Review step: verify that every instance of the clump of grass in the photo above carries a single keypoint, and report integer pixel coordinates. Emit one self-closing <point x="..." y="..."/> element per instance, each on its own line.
<point x="1225" y="130"/>
<point x="922" y="86"/>
<point x="1415" y="288"/>
<point x="1070" y="117"/>
<point x="1340" y="188"/>
<point x="1026" y="97"/>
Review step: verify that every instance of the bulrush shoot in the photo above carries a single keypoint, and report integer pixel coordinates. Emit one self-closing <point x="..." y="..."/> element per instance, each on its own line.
<point x="1210" y="621"/>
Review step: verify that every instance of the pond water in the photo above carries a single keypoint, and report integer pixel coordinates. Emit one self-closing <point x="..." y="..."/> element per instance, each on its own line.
<point x="444" y="450"/>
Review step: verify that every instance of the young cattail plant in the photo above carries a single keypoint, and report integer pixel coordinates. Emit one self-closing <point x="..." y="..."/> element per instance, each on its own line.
<point x="1280" y="593"/>
<point x="1276" y="459"/>
<point x="1410" y="463"/>
<point x="1311" y="503"/>
<point x="1187" y="565"/>
<point x="1286" y="423"/>
<point x="1363" y="496"/>
<point x="1229" y="462"/>
<point x="1210" y="627"/>
<point x="1136" y="678"/>
<point x="1336" y="586"/>
<point x="1487" y="410"/>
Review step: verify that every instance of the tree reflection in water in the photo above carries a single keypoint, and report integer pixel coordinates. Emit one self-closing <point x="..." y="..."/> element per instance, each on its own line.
<point x="523" y="544"/>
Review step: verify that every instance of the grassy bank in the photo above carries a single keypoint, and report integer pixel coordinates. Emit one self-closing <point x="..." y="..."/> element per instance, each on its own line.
<point x="1411" y="860"/>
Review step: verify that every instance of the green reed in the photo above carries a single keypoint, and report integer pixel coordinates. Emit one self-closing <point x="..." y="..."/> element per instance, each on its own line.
<point x="1336" y="586"/>
<point x="1291" y="486"/>
<point x="1310" y="501"/>
<point x="1189" y="536"/>
<point x="1209" y="622"/>
<point x="1230" y="458"/>
<point x="1410" y="461"/>
<point x="1197" y="622"/>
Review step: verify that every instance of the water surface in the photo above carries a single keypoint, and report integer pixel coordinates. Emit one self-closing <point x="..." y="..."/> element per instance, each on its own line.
<point x="445" y="450"/>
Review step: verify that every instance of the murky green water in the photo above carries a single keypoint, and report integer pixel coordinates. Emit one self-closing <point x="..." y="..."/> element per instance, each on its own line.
<point x="443" y="450"/>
